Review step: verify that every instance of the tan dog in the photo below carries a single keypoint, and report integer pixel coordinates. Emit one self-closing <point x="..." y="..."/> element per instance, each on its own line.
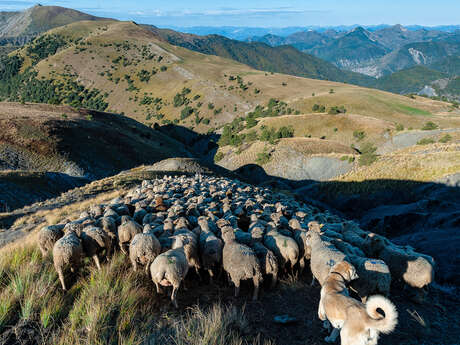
<point x="358" y="323"/>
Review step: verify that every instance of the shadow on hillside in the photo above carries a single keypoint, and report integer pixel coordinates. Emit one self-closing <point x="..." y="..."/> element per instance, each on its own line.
<point x="423" y="215"/>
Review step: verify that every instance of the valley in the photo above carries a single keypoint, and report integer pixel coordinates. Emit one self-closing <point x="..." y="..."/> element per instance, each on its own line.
<point x="107" y="122"/>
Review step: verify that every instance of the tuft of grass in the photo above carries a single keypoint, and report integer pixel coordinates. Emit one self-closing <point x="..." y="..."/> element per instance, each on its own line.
<point x="368" y="155"/>
<point x="445" y="139"/>
<point x="216" y="325"/>
<point x="430" y="125"/>
<point x="107" y="306"/>
<point x="425" y="141"/>
<point x="263" y="157"/>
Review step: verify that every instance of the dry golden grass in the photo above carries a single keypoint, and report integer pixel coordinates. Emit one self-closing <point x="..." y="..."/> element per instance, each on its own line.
<point x="207" y="76"/>
<point x="112" y="306"/>
<point x="284" y="149"/>
<point x="417" y="163"/>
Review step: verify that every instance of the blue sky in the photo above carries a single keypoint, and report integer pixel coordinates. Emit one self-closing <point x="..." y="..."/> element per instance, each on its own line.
<point x="266" y="13"/>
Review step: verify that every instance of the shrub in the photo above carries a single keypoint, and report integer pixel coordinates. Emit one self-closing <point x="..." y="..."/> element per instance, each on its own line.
<point x="430" y="126"/>
<point x="251" y="122"/>
<point x="318" y="108"/>
<point x="445" y="139"/>
<point x="399" y="127"/>
<point x="186" y="112"/>
<point x="337" y="110"/>
<point x="251" y="136"/>
<point x="331" y="91"/>
<point x="368" y="155"/>
<point x="359" y="135"/>
<point x="286" y="132"/>
<point x="263" y="157"/>
<point x="218" y="157"/>
<point x="425" y="141"/>
<point x="163" y="68"/>
<point x="210" y="106"/>
<point x="206" y="121"/>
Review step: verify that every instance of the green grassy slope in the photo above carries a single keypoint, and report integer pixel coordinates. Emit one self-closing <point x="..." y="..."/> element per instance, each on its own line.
<point x="283" y="59"/>
<point x="409" y="80"/>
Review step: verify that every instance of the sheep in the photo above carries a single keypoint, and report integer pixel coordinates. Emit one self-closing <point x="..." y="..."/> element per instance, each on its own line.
<point x="126" y="231"/>
<point x="374" y="277"/>
<point x="416" y="270"/>
<point x="94" y="240"/>
<point x="323" y="256"/>
<point x="240" y="262"/>
<point x="171" y="267"/>
<point x="267" y="259"/>
<point x="143" y="249"/>
<point x="191" y="249"/>
<point x="67" y="252"/>
<point x="300" y="235"/>
<point x="109" y="225"/>
<point x="211" y="251"/>
<point x="48" y="236"/>
<point x="284" y="247"/>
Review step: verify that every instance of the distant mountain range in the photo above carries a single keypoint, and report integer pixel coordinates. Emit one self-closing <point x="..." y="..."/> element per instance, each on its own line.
<point x="243" y="33"/>
<point x="366" y="56"/>
<point x="375" y="53"/>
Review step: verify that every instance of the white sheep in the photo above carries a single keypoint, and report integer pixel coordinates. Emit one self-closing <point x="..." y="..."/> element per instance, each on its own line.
<point x="171" y="267"/>
<point x="240" y="262"/>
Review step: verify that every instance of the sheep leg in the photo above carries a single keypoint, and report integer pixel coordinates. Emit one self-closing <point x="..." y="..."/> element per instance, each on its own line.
<point x="211" y="275"/>
<point x="197" y="270"/>
<point x="302" y="264"/>
<point x="122" y="248"/>
<point x="158" y="288"/>
<point x="147" y="267"/>
<point x="274" y="280"/>
<point x="43" y="251"/>
<point x="332" y="338"/>
<point x="237" y="288"/>
<point x="96" y="260"/>
<point x="174" y="295"/>
<point x="256" y="288"/>
<point x="312" y="281"/>
<point x="61" y="278"/>
<point x="134" y="263"/>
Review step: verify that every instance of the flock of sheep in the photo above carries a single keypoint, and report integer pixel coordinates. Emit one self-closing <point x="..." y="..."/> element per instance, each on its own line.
<point x="207" y="223"/>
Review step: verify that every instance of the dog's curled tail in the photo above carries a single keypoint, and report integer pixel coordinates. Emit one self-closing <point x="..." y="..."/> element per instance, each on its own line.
<point x="385" y="324"/>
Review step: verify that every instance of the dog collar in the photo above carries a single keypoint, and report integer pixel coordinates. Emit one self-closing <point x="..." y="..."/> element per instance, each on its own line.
<point x="339" y="275"/>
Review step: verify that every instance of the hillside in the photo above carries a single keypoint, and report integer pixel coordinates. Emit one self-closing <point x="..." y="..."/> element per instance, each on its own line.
<point x="90" y="65"/>
<point x="84" y="143"/>
<point x="419" y="53"/>
<point x="353" y="50"/>
<point x="302" y="40"/>
<point x="411" y="80"/>
<point x="283" y="59"/>
<point x="38" y="19"/>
